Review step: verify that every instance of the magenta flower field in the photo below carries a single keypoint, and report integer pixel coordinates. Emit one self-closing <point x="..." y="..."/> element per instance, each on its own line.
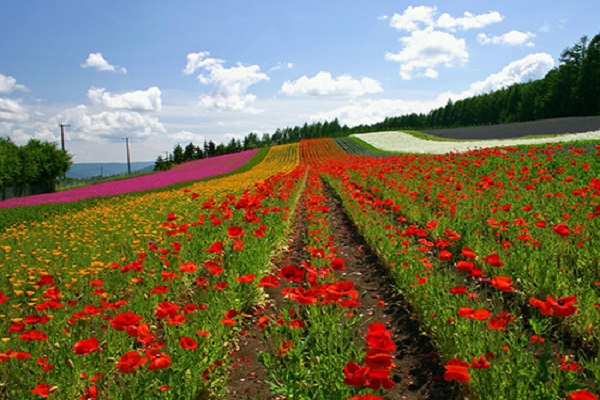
<point x="190" y="171"/>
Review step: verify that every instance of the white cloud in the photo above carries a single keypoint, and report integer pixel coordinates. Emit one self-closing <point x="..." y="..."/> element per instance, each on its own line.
<point x="512" y="38"/>
<point x="424" y="50"/>
<point x="97" y="61"/>
<point x="138" y="100"/>
<point x="422" y="17"/>
<point x="323" y="84"/>
<point x="531" y="67"/>
<point x="9" y="84"/>
<point x="282" y="65"/>
<point x="468" y="20"/>
<point x="414" y="18"/>
<point x="371" y="111"/>
<point x="228" y="136"/>
<point x="12" y="111"/>
<point x="199" y="60"/>
<point x="186" y="137"/>
<point x="87" y="124"/>
<point x="230" y="85"/>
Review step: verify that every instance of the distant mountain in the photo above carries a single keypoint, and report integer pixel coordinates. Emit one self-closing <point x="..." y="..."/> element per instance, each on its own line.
<point x="88" y="170"/>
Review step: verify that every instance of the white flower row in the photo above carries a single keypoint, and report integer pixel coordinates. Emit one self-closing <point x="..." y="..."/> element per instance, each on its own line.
<point x="402" y="142"/>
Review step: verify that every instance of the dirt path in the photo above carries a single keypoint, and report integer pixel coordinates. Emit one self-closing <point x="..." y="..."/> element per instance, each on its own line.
<point x="417" y="372"/>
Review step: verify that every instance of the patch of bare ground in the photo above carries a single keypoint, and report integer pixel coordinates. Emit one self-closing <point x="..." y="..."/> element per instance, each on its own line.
<point x="248" y="378"/>
<point x="417" y="372"/>
<point x="553" y="126"/>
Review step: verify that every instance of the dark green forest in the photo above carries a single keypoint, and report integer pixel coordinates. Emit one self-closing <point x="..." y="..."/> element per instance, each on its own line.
<point x="570" y="89"/>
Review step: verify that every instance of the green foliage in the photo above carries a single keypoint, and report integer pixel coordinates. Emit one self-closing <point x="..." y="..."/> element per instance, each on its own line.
<point x="33" y="168"/>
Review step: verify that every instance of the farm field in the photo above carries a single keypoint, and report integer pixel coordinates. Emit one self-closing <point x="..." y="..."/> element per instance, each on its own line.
<point x="323" y="272"/>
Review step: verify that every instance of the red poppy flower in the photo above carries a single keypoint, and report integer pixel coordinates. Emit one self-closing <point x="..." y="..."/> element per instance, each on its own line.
<point x="269" y="281"/>
<point x="33" y="335"/>
<point x="562" y="307"/>
<point x="498" y="322"/>
<point x="457" y="370"/>
<point x="188" y="343"/>
<point x="235" y="232"/>
<point x="189" y="266"/>
<point x="493" y="260"/>
<point x="130" y="361"/>
<point x="482" y="363"/>
<point x="86" y="346"/>
<point x="248" y="278"/>
<point x="120" y="322"/>
<point x="468" y="253"/>
<point x="159" y="361"/>
<point x="445" y="255"/>
<point x="465" y="312"/>
<point x="338" y="264"/>
<point x="366" y="397"/>
<point x="458" y="290"/>
<point x="16" y="327"/>
<point x="378" y="378"/>
<point x="355" y="374"/>
<point x="291" y="273"/>
<point x="375" y="359"/>
<point x="216" y="247"/>
<point x="159" y="290"/>
<point x="503" y="283"/>
<point x="481" y="314"/>
<point x="464" y="265"/>
<point x="581" y="395"/>
<point x="42" y="389"/>
<point x="165" y="309"/>
<point x="544" y="307"/>
<point x="561" y="230"/>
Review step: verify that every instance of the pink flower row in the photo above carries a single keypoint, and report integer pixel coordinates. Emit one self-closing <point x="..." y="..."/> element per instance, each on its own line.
<point x="190" y="171"/>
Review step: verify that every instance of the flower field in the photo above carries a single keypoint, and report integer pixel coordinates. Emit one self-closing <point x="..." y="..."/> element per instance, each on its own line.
<point x="187" y="172"/>
<point x="495" y="252"/>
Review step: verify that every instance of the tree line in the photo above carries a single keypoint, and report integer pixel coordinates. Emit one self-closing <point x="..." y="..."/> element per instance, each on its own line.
<point x="570" y="89"/>
<point x="33" y="168"/>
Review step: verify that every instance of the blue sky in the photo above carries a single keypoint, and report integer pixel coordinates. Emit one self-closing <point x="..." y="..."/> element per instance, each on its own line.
<point x="161" y="73"/>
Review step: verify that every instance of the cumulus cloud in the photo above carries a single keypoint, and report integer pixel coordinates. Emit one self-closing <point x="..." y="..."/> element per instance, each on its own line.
<point x="186" y="137"/>
<point x="12" y="110"/>
<point x="323" y="84"/>
<point x="371" y="111"/>
<point x="414" y="18"/>
<point x="512" y="38"/>
<point x="230" y="85"/>
<point x="422" y="17"/>
<point x="97" y="61"/>
<point x="8" y="84"/>
<point x="531" y="67"/>
<point x="425" y="50"/>
<point x="138" y="100"/>
<point x="88" y="124"/>
<point x="468" y="20"/>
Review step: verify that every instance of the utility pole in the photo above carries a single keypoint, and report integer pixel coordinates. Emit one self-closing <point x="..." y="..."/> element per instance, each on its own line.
<point x="62" y="135"/>
<point x="128" y="156"/>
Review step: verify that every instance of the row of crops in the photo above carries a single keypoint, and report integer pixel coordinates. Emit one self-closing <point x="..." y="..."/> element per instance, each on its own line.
<point x="145" y="296"/>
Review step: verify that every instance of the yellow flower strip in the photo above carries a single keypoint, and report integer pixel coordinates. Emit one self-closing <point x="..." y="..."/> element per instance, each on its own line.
<point x="85" y="242"/>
